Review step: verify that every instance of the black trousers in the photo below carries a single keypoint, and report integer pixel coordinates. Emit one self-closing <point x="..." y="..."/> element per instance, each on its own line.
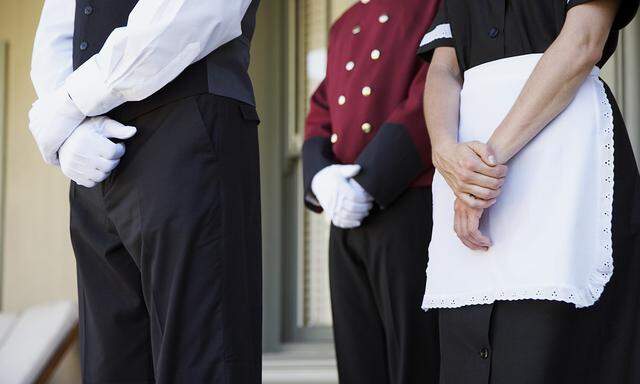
<point x="377" y="281"/>
<point x="168" y="251"/>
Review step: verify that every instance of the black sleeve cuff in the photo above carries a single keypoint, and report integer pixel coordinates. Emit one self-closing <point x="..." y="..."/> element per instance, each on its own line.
<point x="390" y="162"/>
<point x="626" y="12"/>
<point x="439" y="35"/>
<point x="425" y="52"/>
<point x="317" y="154"/>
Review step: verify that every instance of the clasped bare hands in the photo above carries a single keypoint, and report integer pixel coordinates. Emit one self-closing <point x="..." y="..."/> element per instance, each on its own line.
<point x="471" y="171"/>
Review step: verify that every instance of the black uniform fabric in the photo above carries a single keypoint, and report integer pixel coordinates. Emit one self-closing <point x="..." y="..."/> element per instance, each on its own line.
<point x="168" y="251"/>
<point x="547" y="342"/>
<point x="383" y="176"/>
<point x="377" y="281"/>
<point x="317" y="154"/>
<point x="225" y="70"/>
<point x="487" y="30"/>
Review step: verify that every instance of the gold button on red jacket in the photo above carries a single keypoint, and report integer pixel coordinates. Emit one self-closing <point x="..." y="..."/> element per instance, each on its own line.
<point x="369" y="108"/>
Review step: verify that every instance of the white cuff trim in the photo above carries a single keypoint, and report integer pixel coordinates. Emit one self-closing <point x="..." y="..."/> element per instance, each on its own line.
<point x="90" y="92"/>
<point x="442" y="31"/>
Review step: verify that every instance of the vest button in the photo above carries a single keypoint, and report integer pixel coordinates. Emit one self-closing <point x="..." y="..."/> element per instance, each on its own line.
<point x="88" y="10"/>
<point x="493" y="32"/>
<point x="84" y="45"/>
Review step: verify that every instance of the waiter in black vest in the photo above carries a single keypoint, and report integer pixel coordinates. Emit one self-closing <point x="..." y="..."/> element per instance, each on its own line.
<point x="148" y="107"/>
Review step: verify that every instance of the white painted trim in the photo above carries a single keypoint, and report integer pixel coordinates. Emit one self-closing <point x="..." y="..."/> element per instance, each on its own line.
<point x="3" y="117"/>
<point x="628" y="81"/>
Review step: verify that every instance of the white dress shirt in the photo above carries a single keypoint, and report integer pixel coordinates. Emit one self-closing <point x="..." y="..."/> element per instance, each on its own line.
<point x="52" y="59"/>
<point x="161" y="39"/>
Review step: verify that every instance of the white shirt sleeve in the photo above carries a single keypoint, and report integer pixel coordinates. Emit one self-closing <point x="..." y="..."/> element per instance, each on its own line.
<point x="52" y="59"/>
<point x="161" y="39"/>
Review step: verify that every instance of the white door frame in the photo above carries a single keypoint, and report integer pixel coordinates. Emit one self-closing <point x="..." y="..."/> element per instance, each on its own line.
<point x="3" y="119"/>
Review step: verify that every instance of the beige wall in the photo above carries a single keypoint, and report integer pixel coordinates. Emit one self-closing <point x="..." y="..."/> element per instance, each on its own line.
<point x="38" y="260"/>
<point x="38" y="263"/>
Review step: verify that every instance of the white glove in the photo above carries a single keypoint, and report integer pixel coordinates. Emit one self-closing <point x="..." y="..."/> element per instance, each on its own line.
<point x="88" y="156"/>
<point x="344" y="201"/>
<point x="52" y="118"/>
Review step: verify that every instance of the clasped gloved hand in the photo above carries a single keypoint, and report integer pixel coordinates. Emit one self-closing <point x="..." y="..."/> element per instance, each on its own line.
<point x="344" y="201"/>
<point x="51" y="120"/>
<point x="88" y="156"/>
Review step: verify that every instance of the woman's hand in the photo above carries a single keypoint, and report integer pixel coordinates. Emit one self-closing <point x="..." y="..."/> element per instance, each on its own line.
<point x="471" y="171"/>
<point x="467" y="226"/>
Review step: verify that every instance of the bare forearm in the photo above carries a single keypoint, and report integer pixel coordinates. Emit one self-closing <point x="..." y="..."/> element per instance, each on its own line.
<point x="442" y="104"/>
<point x="556" y="79"/>
<point x="551" y="87"/>
<point x="468" y="168"/>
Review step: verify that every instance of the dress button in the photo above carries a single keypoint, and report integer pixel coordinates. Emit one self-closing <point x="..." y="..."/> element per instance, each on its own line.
<point x="334" y="138"/>
<point x="383" y="18"/>
<point x="365" y="1"/>
<point x="356" y="30"/>
<point x="484" y="353"/>
<point x="88" y="10"/>
<point x="350" y="66"/>
<point x="342" y="100"/>
<point x="366" y="91"/>
<point x="494" y="32"/>
<point x="366" y="128"/>
<point x="375" y="54"/>
<point x="84" y="45"/>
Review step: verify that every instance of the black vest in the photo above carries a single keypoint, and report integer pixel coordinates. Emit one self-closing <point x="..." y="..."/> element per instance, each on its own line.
<point x="223" y="72"/>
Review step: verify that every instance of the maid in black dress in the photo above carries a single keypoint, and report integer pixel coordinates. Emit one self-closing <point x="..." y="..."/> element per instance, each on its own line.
<point x="535" y="254"/>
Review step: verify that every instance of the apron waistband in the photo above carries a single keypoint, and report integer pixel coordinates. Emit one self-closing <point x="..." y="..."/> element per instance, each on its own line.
<point x="508" y="67"/>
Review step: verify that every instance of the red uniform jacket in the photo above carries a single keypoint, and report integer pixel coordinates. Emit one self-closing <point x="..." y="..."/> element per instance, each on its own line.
<point x="369" y="108"/>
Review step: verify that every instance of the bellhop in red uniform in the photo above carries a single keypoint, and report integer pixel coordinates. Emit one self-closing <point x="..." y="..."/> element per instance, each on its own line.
<point x="367" y="165"/>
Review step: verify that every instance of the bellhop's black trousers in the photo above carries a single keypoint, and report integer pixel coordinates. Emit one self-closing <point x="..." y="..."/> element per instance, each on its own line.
<point x="168" y="251"/>
<point x="377" y="276"/>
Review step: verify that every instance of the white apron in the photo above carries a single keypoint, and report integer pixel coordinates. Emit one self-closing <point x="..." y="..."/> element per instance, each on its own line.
<point x="551" y="226"/>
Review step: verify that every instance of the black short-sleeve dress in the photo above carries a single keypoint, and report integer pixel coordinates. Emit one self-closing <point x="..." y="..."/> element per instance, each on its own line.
<point x="545" y="341"/>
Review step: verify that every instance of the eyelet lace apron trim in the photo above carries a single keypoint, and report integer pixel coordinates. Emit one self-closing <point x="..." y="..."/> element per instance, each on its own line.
<point x="551" y="226"/>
